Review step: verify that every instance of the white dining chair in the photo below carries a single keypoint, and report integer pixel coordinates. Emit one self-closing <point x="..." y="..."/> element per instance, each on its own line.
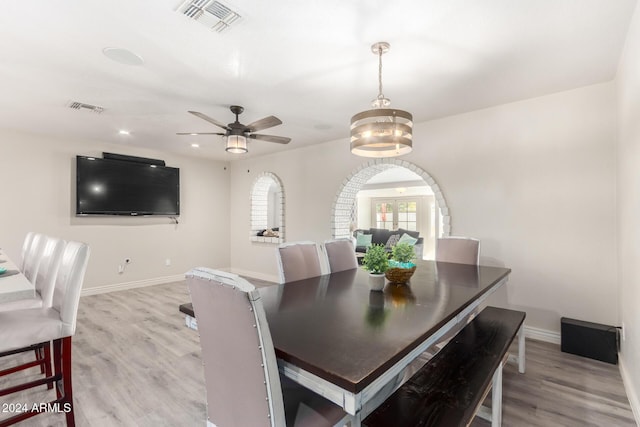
<point x="298" y="261"/>
<point x="243" y="386"/>
<point x="457" y="249"/>
<point x="341" y="255"/>
<point x="23" y="329"/>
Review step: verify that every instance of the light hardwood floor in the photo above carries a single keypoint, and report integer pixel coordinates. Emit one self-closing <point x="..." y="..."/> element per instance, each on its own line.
<point x="135" y="363"/>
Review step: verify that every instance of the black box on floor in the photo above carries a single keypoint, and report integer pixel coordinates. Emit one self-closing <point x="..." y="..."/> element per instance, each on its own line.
<point x="592" y="340"/>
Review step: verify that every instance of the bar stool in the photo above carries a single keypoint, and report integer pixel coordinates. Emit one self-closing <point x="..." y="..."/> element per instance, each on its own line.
<point x="25" y="248"/>
<point x="33" y="252"/>
<point x="47" y="271"/>
<point x="22" y="329"/>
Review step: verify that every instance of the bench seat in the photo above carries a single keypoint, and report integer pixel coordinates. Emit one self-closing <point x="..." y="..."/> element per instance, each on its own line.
<point x="450" y="388"/>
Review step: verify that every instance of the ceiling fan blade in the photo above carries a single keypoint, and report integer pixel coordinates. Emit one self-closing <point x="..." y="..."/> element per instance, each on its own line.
<point x="265" y="123"/>
<point x="210" y="120"/>
<point x="270" y="138"/>
<point x="200" y="133"/>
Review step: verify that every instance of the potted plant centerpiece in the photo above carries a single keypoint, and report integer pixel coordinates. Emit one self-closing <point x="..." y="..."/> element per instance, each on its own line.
<point x="376" y="262"/>
<point x="401" y="265"/>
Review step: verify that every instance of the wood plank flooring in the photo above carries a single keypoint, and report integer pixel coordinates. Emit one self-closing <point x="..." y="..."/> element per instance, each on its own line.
<point x="135" y="363"/>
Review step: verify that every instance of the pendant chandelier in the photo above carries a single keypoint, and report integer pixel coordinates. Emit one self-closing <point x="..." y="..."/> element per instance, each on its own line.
<point x="381" y="131"/>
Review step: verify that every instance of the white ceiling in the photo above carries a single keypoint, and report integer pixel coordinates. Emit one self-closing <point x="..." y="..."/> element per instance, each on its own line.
<point x="307" y="62"/>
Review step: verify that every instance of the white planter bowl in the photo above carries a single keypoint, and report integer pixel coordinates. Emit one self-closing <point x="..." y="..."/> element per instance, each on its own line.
<point x="376" y="281"/>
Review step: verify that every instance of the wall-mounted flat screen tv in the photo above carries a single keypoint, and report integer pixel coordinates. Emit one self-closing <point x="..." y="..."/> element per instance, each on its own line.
<point x="119" y="187"/>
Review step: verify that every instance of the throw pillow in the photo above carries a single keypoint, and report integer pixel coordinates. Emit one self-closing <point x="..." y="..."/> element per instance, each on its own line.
<point x="363" y="240"/>
<point x="414" y="234"/>
<point x="407" y="239"/>
<point x="393" y="240"/>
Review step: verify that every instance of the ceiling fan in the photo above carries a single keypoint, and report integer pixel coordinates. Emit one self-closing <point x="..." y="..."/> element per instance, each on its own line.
<point x="237" y="133"/>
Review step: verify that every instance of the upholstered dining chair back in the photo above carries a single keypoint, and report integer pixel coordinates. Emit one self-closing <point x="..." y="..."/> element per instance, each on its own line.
<point x="460" y="250"/>
<point x="48" y="269"/>
<point x="31" y="260"/>
<point x="298" y="261"/>
<point x="44" y="282"/>
<point x="341" y="255"/>
<point x="25" y="248"/>
<point x="66" y="293"/>
<point x="241" y="373"/>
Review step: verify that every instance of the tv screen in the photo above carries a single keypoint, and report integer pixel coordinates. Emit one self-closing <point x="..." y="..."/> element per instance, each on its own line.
<point x="118" y="187"/>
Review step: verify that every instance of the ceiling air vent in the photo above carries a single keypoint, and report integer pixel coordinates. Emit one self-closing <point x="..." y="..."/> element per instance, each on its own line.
<point x="210" y="13"/>
<point x="80" y="106"/>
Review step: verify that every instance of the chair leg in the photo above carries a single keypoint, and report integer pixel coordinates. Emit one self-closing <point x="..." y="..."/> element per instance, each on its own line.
<point x="47" y="362"/>
<point x="521" y="350"/>
<point x="42" y="359"/>
<point x="39" y="356"/>
<point x="61" y="378"/>
<point x="62" y="366"/>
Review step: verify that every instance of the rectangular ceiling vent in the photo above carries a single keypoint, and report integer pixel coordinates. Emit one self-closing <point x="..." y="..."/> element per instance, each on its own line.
<point x="81" y="106"/>
<point x="210" y="13"/>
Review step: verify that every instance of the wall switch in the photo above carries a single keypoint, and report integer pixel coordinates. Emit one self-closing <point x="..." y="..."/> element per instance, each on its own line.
<point x="167" y="262"/>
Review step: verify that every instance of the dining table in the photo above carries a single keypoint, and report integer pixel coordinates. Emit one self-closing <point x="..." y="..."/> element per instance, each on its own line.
<point x="13" y="284"/>
<point x="335" y="336"/>
<point x="346" y="342"/>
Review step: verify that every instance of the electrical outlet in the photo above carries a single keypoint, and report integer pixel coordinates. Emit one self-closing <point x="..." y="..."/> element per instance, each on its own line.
<point x="167" y="262"/>
<point x="120" y="269"/>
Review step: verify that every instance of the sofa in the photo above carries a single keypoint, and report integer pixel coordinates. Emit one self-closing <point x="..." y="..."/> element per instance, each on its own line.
<point x="381" y="236"/>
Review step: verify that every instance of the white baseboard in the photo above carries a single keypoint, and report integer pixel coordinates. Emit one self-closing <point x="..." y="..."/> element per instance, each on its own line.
<point x="131" y="285"/>
<point x="541" y="335"/>
<point x="632" y="395"/>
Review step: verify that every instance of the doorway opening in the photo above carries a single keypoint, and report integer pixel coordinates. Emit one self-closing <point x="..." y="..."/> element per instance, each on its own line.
<point x="392" y="194"/>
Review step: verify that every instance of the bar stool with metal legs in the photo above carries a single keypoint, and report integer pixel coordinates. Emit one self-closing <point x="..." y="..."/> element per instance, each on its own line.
<point x="21" y="329"/>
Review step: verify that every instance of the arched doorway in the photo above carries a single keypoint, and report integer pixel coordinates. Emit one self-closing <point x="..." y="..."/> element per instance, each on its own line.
<point x="343" y="209"/>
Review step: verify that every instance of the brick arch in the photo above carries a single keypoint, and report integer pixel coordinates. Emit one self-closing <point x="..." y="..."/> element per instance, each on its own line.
<point x="345" y="200"/>
<point x="259" y="209"/>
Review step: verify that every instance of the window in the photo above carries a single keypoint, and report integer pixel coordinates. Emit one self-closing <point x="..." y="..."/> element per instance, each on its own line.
<point x="392" y="214"/>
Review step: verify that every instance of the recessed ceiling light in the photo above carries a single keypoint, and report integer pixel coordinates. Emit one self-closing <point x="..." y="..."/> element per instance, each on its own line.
<point x="124" y="132"/>
<point x="195" y="145"/>
<point x="123" y="56"/>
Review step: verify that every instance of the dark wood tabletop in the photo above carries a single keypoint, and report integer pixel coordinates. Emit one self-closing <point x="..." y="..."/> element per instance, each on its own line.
<point x="336" y="328"/>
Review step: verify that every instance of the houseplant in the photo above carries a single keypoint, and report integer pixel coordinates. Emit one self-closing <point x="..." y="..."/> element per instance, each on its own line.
<point x="376" y="262"/>
<point x="401" y="265"/>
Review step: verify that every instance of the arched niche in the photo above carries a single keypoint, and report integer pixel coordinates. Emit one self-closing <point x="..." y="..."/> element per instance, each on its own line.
<point x="344" y="204"/>
<point x="267" y="208"/>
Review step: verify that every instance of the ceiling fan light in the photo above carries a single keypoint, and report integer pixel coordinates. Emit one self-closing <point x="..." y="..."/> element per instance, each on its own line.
<point x="236" y="144"/>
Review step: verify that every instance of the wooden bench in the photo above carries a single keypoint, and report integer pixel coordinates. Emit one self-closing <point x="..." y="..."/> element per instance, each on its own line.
<point x="450" y="388"/>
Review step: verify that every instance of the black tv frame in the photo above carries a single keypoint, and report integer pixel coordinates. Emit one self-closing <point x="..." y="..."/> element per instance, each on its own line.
<point x="130" y="160"/>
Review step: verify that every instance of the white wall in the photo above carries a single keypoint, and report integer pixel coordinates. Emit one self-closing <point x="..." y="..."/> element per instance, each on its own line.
<point x="38" y="194"/>
<point x="534" y="180"/>
<point x="628" y="80"/>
